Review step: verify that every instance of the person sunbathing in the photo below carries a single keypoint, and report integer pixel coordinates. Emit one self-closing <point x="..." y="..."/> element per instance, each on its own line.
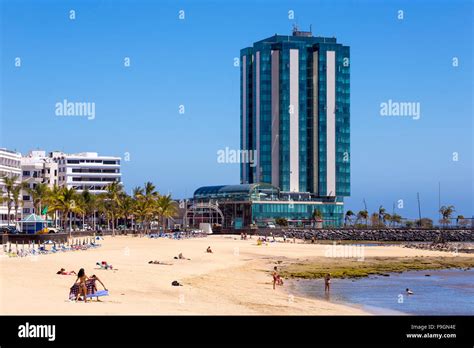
<point x="156" y="262"/>
<point x="104" y="265"/>
<point x="62" y="271"/>
<point x="81" y="282"/>
<point x="181" y="257"/>
<point x="209" y="250"/>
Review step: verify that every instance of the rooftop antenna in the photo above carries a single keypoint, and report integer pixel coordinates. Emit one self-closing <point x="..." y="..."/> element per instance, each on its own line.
<point x="295" y="28"/>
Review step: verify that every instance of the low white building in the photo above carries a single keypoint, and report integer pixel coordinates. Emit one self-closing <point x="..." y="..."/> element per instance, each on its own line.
<point x="86" y="170"/>
<point x="10" y="165"/>
<point x="37" y="168"/>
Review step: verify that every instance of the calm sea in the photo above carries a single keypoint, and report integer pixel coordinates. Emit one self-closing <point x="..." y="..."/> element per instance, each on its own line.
<point x="443" y="292"/>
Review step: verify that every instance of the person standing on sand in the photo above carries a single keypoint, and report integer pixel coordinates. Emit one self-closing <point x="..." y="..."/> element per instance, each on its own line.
<point x="276" y="278"/>
<point x="327" y="282"/>
<point x="81" y="281"/>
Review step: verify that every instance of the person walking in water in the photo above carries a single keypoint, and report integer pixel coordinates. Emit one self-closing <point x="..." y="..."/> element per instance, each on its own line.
<point x="327" y="282"/>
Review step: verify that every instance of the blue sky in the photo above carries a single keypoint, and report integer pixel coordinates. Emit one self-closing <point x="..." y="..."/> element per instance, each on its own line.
<point x="190" y="62"/>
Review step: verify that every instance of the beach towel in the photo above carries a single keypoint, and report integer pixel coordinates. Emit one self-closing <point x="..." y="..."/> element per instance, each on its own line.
<point x="73" y="291"/>
<point x="98" y="294"/>
<point x="90" y="285"/>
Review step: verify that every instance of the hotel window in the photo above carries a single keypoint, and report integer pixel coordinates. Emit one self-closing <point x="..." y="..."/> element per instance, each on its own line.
<point x="26" y="198"/>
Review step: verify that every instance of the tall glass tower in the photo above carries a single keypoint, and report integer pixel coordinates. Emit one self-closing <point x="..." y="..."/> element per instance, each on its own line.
<point x="295" y="114"/>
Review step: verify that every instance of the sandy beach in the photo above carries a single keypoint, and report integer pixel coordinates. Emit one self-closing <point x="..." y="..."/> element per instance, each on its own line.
<point x="234" y="280"/>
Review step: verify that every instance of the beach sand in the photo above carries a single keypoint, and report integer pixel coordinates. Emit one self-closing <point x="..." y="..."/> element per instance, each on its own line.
<point x="234" y="280"/>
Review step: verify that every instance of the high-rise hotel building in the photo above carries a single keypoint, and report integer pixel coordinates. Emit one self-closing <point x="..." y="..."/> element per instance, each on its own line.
<point x="295" y="114"/>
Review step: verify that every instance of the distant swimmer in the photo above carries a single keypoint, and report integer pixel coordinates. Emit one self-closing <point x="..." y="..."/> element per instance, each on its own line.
<point x="409" y="292"/>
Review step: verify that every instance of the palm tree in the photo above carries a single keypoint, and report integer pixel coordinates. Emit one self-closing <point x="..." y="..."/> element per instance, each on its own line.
<point x="381" y="215"/>
<point x="363" y="214"/>
<point x="9" y="183"/>
<point x="396" y="219"/>
<point x="66" y="201"/>
<point x="166" y="208"/>
<point x="317" y="215"/>
<point x="89" y="204"/>
<point x="348" y="216"/>
<point x="146" y="203"/>
<point x="114" y="190"/>
<point x="387" y="218"/>
<point x="126" y="207"/>
<point x="375" y="219"/>
<point x="39" y="194"/>
<point x="16" y="193"/>
<point x="103" y="207"/>
<point x="459" y="220"/>
<point x="446" y="212"/>
<point x="51" y="198"/>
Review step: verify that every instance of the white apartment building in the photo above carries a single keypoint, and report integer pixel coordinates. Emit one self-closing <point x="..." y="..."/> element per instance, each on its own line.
<point x="10" y="165"/>
<point x="37" y="168"/>
<point x="86" y="170"/>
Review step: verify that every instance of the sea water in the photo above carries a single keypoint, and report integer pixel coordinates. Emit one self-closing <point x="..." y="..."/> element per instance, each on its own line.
<point x="440" y="292"/>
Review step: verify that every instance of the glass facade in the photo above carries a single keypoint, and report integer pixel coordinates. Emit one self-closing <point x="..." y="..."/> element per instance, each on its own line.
<point x="259" y="204"/>
<point x="321" y="133"/>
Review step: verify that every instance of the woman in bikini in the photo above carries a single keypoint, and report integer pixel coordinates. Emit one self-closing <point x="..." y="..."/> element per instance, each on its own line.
<point x="81" y="282"/>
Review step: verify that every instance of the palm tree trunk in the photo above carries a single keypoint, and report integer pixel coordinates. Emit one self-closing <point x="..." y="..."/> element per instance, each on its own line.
<point x="113" y="226"/>
<point x="9" y="209"/>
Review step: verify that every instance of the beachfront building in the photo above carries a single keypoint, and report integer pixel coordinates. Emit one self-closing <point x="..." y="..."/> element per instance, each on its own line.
<point x="245" y="205"/>
<point x="36" y="168"/>
<point x="295" y="117"/>
<point x="10" y="165"/>
<point x="86" y="170"/>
